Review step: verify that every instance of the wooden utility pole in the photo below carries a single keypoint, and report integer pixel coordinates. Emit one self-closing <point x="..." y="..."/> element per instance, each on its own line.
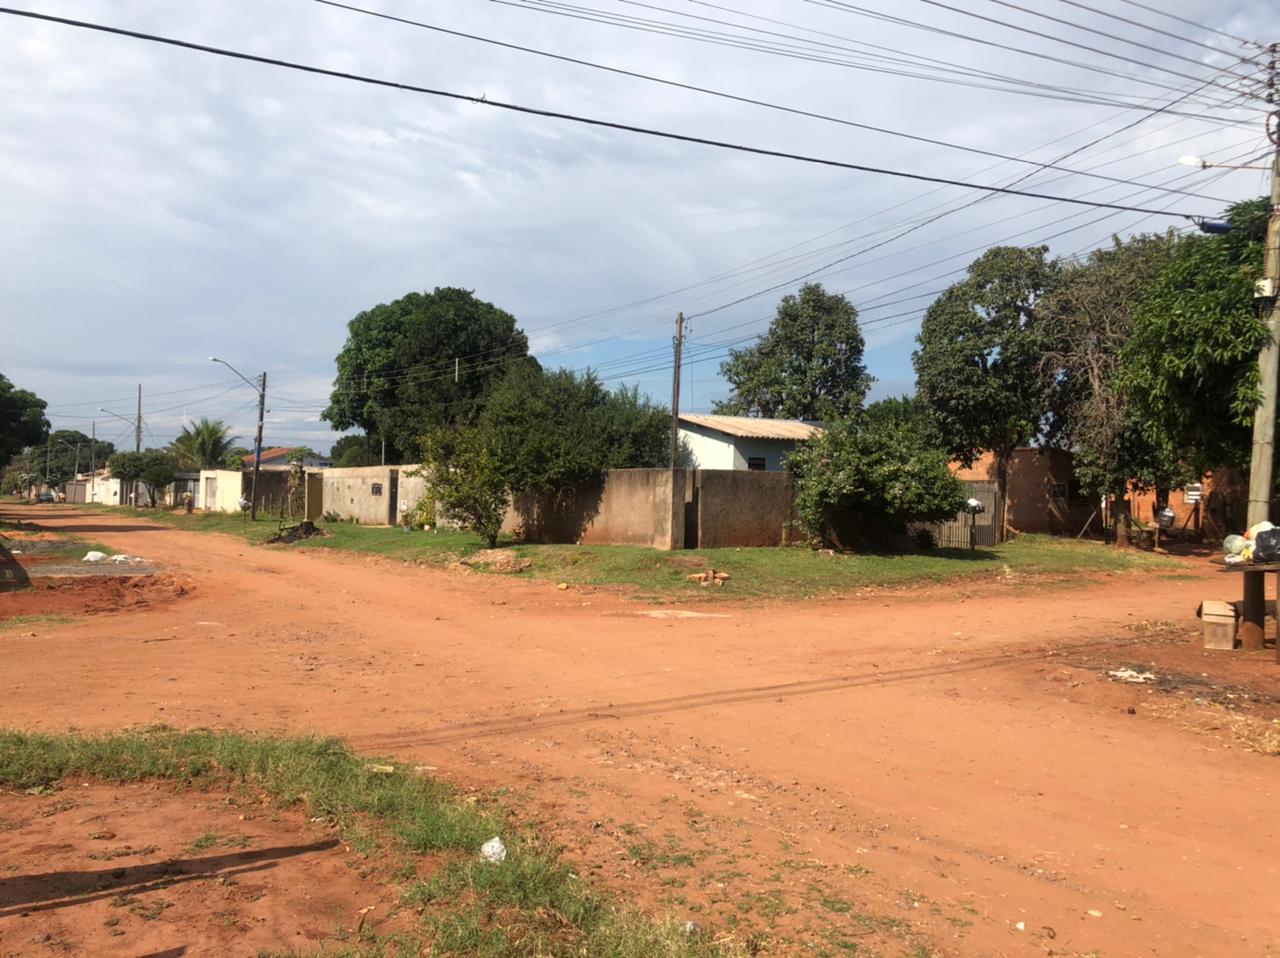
<point x="1262" y="460"/>
<point x="675" y="388"/>
<point x="257" y="447"/>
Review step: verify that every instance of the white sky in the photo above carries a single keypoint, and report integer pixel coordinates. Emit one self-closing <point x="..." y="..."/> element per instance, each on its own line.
<point x="160" y="205"/>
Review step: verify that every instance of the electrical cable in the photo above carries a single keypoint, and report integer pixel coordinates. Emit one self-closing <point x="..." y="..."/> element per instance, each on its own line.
<point x="1027" y="88"/>
<point x="1147" y="26"/>
<point x="553" y="114"/>
<point x="716" y="93"/>
<point x="1192" y="23"/>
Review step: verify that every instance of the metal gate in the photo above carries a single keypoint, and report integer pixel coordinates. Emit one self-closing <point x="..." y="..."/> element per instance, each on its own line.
<point x="977" y="530"/>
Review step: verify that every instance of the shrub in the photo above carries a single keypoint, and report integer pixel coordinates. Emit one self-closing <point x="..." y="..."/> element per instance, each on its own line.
<point x="863" y="482"/>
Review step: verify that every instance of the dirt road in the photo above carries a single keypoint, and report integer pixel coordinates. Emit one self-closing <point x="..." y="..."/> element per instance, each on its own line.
<point x="940" y="771"/>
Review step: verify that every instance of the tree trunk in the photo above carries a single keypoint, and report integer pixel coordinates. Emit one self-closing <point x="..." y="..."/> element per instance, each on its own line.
<point x="1002" y="489"/>
<point x="1120" y="519"/>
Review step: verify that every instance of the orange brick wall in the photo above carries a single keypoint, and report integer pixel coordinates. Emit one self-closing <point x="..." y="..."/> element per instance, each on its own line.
<point x="1032" y="473"/>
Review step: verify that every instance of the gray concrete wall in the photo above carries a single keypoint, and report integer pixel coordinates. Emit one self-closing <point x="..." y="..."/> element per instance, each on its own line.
<point x="361" y="494"/>
<point x="644" y="507"/>
<point x="737" y="508"/>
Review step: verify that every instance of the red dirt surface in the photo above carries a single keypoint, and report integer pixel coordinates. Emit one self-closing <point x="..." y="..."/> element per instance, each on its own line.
<point x="82" y="595"/>
<point x="147" y="870"/>
<point x="947" y="770"/>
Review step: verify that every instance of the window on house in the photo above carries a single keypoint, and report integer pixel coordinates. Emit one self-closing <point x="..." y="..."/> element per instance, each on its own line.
<point x="756" y="463"/>
<point x="376" y="489"/>
<point x="1059" y="491"/>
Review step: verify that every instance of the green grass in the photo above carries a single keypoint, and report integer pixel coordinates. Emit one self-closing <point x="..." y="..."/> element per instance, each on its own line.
<point x="755" y="573"/>
<point x="533" y="905"/>
<point x="25" y="621"/>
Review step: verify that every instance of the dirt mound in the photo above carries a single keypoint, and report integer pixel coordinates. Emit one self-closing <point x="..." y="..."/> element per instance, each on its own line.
<point x="497" y="560"/>
<point x="87" y="595"/>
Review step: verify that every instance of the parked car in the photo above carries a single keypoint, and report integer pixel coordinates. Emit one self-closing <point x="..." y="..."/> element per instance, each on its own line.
<point x="46" y="496"/>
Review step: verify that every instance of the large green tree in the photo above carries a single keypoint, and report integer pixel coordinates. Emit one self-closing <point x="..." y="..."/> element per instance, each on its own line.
<point x="354" y="450"/>
<point x="1190" y="363"/>
<point x="1087" y="320"/>
<point x="807" y="366"/>
<point x="865" y="479"/>
<point x="65" y="450"/>
<point x="545" y="433"/>
<point x="154" y="468"/>
<point x="203" y="445"/>
<point x="978" y="366"/>
<point x="556" y="430"/>
<point x="22" y="420"/>
<point x="396" y="374"/>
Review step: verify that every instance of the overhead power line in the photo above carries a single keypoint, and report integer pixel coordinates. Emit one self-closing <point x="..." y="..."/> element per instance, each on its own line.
<point x="853" y="8"/>
<point x="938" y="70"/>
<point x="1148" y="26"/>
<point x="634" y="74"/>
<point x="1191" y="23"/>
<point x="559" y="115"/>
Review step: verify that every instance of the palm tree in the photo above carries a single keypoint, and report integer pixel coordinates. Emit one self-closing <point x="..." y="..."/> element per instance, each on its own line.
<point x="203" y="445"/>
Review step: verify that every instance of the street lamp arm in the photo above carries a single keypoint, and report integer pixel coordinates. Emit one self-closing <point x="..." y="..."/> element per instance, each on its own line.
<point x="248" y="381"/>
<point x="116" y="414"/>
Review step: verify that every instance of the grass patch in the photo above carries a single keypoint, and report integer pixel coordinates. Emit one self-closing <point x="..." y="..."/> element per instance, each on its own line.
<point x="756" y="573"/>
<point x="25" y="621"/>
<point x="532" y="905"/>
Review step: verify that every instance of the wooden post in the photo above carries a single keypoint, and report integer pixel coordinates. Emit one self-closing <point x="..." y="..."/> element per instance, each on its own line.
<point x="1254" y="612"/>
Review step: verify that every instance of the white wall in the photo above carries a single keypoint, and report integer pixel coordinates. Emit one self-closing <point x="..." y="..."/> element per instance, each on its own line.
<point x="710" y="449"/>
<point x="226" y="497"/>
<point x="714" y="450"/>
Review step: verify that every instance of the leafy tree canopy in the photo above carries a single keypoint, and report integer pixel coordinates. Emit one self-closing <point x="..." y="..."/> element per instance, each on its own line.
<point x="466" y="476"/>
<point x="22" y="421"/>
<point x="1087" y="321"/>
<point x="978" y="362"/>
<point x="556" y="430"/>
<point x="203" y="445"/>
<point x="352" y="451"/>
<point x="154" y="468"/>
<point x="395" y="374"/>
<point x="1190" y="363"/>
<point x="866" y="478"/>
<point x="807" y="366"/>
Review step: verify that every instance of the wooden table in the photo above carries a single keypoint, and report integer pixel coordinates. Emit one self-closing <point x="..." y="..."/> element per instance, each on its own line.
<point x="1253" y="610"/>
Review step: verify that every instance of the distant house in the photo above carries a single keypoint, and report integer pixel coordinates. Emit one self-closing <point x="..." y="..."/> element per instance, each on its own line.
<point x="742" y="442"/>
<point x="277" y="457"/>
<point x="1044" y="495"/>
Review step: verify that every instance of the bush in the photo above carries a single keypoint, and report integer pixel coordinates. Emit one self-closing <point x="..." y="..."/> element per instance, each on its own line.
<point x="464" y="472"/>
<point x="863" y="482"/>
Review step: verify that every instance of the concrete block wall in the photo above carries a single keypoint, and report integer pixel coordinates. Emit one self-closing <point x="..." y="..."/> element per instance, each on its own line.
<point x="741" y="508"/>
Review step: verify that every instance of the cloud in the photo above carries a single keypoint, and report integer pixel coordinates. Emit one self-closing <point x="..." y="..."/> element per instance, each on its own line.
<point x="161" y="205"/>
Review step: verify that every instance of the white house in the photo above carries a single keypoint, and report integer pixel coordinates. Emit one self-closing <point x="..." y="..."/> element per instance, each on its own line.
<point x="742" y="442"/>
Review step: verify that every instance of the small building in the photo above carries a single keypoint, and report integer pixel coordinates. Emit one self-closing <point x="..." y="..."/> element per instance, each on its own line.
<point x="742" y="442"/>
<point x="277" y="457"/>
<point x="1044" y="495"/>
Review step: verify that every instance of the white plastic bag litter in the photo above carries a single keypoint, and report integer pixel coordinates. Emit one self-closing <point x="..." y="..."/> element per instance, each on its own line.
<point x="94" y="556"/>
<point x="493" y="851"/>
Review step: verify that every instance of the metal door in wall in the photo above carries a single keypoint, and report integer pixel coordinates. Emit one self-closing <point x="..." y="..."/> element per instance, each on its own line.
<point x="210" y="494"/>
<point x="393" y="498"/>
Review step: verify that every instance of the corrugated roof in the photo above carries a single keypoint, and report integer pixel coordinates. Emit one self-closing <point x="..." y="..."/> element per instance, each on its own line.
<point x="748" y="427"/>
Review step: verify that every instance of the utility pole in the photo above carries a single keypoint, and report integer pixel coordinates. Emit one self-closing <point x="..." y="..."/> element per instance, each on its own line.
<point x="1262" y="460"/>
<point x="675" y="388"/>
<point x="137" y="441"/>
<point x="93" y="460"/>
<point x="257" y="448"/>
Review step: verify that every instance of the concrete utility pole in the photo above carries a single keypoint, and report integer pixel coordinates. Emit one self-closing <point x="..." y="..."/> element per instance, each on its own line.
<point x="261" y="388"/>
<point x="1262" y="460"/>
<point x="137" y="441"/>
<point x="257" y="448"/>
<point x="93" y="460"/>
<point x="675" y="389"/>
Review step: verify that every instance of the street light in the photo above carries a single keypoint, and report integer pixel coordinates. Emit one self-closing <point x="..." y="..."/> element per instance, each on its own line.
<point x="1201" y="164"/>
<point x="137" y="435"/>
<point x="261" y="388"/>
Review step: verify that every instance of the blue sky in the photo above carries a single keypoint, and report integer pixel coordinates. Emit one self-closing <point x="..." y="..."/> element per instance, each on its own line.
<point x="161" y="206"/>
